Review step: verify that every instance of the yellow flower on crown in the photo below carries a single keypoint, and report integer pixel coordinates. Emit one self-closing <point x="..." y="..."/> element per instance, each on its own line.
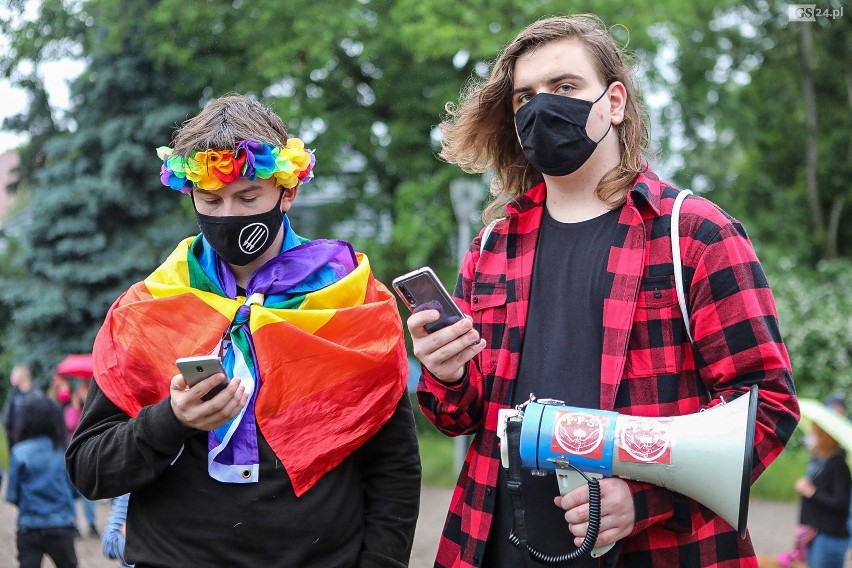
<point x="291" y="162"/>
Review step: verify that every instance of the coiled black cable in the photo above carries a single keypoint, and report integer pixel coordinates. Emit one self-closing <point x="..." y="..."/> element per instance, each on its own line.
<point x="591" y="534"/>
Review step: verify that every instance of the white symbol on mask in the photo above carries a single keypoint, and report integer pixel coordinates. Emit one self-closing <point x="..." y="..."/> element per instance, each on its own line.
<point x="253" y="237"/>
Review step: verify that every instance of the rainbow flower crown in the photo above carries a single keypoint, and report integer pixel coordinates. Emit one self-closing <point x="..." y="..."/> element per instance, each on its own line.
<point x="210" y="170"/>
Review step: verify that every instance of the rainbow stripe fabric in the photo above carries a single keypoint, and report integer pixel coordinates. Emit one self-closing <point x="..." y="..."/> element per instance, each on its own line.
<point x="317" y="341"/>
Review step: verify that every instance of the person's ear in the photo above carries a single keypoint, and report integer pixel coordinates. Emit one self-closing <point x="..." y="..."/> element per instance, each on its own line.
<point x="288" y="197"/>
<point x="617" y="96"/>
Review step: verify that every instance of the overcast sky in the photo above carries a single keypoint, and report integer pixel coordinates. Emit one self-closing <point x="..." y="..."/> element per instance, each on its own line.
<point x="55" y="75"/>
<point x="14" y="101"/>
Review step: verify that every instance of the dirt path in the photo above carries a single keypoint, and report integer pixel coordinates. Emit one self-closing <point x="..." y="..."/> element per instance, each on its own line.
<point x="771" y="525"/>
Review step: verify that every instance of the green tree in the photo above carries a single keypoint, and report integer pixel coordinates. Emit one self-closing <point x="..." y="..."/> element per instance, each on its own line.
<point x="365" y="83"/>
<point x="765" y="107"/>
<point x="759" y="112"/>
<point x="99" y="217"/>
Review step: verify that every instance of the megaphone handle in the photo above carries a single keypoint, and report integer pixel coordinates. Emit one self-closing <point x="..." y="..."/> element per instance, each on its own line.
<point x="569" y="480"/>
<point x="513" y="481"/>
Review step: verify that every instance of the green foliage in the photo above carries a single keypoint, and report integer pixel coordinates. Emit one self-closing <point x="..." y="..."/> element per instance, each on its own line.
<point x="365" y="83"/>
<point x="777" y="483"/>
<point x="424" y="223"/>
<point x="52" y="35"/>
<point x="740" y="99"/>
<point x="814" y="308"/>
<point x="100" y="220"/>
<point x="436" y="458"/>
<point x="37" y="121"/>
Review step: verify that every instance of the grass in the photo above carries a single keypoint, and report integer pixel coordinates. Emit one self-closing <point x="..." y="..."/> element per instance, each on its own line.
<point x="4" y="450"/>
<point x="776" y="483"/>
<point x="436" y="456"/>
<point x="437" y="452"/>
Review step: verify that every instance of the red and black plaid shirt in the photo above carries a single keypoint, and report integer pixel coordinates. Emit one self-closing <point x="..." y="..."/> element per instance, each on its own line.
<point x="645" y="371"/>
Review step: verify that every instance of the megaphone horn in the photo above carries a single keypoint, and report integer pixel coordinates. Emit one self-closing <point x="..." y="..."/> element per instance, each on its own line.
<point x="706" y="456"/>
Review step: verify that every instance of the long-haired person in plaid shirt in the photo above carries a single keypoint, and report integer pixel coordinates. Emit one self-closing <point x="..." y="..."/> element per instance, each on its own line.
<point x="573" y="297"/>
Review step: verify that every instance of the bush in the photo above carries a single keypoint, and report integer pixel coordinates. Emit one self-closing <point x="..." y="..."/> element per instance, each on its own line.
<point x="814" y="308"/>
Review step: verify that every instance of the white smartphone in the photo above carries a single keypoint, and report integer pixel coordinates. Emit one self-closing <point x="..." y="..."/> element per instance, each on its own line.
<point x="421" y="290"/>
<point x="196" y="369"/>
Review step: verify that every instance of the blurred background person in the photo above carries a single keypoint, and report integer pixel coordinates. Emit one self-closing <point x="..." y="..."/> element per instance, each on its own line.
<point x="41" y="489"/>
<point x="825" y="491"/>
<point x="74" y="409"/>
<point x="22" y="393"/>
<point x="60" y="390"/>
<point x="836" y="402"/>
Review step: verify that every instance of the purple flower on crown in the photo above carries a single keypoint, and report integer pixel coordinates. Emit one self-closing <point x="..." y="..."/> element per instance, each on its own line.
<point x="168" y="178"/>
<point x="250" y="147"/>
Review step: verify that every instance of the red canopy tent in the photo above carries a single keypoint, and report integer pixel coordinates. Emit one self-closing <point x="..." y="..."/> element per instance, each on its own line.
<point x="79" y="365"/>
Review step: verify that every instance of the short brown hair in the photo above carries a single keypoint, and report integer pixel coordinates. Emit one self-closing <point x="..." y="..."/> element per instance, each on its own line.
<point x="226" y="121"/>
<point x="479" y="131"/>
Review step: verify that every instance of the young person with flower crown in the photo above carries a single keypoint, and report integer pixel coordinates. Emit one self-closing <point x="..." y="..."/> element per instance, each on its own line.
<point x="309" y="456"/>
<point x="572" y="297"/>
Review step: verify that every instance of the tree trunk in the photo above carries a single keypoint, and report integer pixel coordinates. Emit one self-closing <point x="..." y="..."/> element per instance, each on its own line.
<point x="831" y="251"/>
<point x="811" y="136"/>
<point x="831" y="245"/>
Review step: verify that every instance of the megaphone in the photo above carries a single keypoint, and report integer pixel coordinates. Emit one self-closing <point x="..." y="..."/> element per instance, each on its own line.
<point x="706" y="456"/>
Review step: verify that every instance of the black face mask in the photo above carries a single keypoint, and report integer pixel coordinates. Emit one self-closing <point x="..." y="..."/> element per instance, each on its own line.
<point x="240" y="239"/>
<point x="552" y="129"/>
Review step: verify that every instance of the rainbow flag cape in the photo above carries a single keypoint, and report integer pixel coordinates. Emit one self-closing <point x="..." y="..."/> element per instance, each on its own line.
<point x="317" y="341"/>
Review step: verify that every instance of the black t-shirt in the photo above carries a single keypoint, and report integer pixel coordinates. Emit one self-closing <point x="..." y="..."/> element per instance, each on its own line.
<point x="560" y="359"/>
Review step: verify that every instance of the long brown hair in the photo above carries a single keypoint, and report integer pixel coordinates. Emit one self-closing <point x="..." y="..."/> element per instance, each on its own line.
<point x="479" y="131"/>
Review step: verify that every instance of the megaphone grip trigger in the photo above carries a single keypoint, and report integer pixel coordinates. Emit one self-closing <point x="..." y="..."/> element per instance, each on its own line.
<point x="588" y="541"/>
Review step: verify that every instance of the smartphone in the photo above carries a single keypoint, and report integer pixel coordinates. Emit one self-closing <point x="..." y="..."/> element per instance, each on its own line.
<point x="421" y="290"/>
<point x="196" y="369"/>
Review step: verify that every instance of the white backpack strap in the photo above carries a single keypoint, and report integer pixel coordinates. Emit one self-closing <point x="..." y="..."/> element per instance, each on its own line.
<point x="678" y="265"/>
<point x="487" y="233"/>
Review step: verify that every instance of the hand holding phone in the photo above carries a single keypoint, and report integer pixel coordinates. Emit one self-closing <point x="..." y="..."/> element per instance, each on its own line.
<point x="421" y="290"/>
<point x="196" y="369"/>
